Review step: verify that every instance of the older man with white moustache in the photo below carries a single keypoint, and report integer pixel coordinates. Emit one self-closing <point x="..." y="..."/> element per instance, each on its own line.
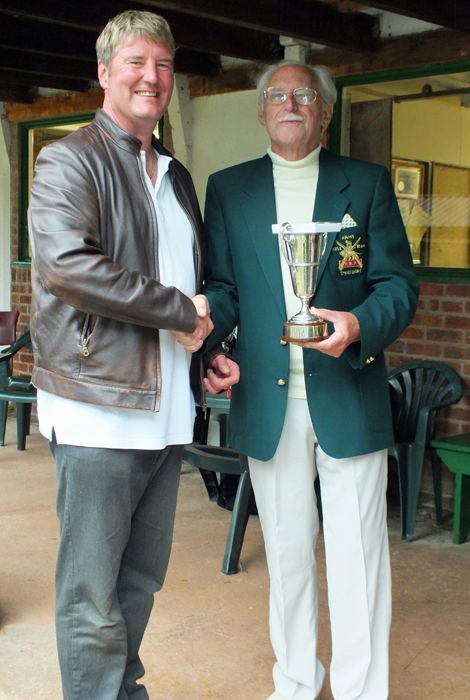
<point x="322" y="407"/>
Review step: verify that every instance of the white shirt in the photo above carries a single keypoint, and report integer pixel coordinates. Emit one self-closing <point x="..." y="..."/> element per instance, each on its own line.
<point x="91" y="425"/>
<point x="295" y="186"/>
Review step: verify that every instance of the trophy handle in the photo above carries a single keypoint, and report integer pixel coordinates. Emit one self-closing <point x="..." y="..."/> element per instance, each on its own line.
<point x="285" y="228"/>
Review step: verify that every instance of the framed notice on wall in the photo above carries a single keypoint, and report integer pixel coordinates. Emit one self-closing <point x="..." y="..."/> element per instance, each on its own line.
<point x="410" y="182"/>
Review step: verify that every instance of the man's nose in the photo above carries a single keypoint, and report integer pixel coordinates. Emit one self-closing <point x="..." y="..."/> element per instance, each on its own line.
<point x="290" y="104"/>
<point x="151" y="73"/>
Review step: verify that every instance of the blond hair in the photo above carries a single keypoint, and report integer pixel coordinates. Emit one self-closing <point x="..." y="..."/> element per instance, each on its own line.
<point x="128" y="25"/>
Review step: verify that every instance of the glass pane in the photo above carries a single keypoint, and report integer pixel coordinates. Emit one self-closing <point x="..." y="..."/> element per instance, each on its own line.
<point x="429" y="160"/>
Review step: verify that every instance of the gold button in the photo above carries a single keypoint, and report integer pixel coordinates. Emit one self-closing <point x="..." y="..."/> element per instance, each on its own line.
<point x="369" y="360"/>
<point x="281" y="382"/>
<point x="283" y="342"/>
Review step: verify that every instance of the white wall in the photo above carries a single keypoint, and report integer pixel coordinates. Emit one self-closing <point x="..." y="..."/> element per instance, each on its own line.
<point x="220" y="130"/>
<point x="5" y="273"/>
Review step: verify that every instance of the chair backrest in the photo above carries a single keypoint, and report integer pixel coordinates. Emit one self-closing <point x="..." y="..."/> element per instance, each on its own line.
<point x="8" y="321"/>
<point x="421" y="385"/>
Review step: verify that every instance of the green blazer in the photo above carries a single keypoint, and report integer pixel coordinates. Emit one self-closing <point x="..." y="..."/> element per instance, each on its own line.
<point x="348" y="397"/>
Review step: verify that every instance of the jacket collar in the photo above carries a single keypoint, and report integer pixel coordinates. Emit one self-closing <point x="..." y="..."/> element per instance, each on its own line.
<point x="331" y="203"/>
<point x="123" y="138"/>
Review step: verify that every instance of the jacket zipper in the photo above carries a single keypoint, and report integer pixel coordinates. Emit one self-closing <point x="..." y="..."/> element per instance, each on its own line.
<point x="85" y="337"/>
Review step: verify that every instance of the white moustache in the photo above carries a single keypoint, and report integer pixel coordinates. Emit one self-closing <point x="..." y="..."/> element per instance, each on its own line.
<point x="290" y="118"/>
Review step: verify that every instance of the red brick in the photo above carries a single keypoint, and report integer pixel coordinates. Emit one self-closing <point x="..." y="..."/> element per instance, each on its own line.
<point x="458" y="290"/>
<point x="444" y="336"/>
<point x="433" y="304"/>
<point x="455" y="307"/>
<point x="412" y="332"/>
<point x="424" y="349"/>
<point x="461" y="414"/>
<point x="434" y="320"/>
<point x="457" y="321"/>
<point x="397" y="346"/>
<point x="431" y="289"/>
<point x="457" y="352"/>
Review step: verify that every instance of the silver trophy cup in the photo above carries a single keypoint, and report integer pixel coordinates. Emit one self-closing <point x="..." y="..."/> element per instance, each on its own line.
<point x="303" y="246"/>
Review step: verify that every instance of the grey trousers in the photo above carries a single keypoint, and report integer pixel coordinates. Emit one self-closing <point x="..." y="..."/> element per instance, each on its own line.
<point x="116" y="510"/>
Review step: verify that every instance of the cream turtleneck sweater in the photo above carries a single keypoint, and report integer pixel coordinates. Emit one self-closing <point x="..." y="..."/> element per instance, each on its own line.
<point x="295" y="186"/>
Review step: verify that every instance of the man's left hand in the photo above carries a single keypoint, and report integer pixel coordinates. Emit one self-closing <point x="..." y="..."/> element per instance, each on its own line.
<point x="347" y="331"/>
<point x="224" y="373"/>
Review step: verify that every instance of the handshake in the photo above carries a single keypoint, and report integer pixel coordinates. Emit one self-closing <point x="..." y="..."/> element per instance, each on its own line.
<point x="223" y="372"/>
<point x="193" y="341"/>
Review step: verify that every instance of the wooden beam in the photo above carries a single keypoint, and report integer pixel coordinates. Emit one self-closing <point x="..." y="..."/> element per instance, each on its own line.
<point x="44" y="37"/>
<point x="308" y="20"/>
<point x="422" y="49"/>
<point x="16" y="93"/>
<point x="80" y="27"/>
<point x="54" y="105"/>
<point x="230" y="80"/>
<point x="43" y="64"/>
<point x="196" y="63"/>
<point x="28" y="79"/>
<point x="454" y="14"/>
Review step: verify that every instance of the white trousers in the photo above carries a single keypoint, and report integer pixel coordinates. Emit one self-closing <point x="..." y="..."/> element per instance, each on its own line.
<point x="357" y="559"/>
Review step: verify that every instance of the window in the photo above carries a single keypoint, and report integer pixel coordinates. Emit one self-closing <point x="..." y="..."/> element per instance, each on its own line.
<point x="33" y="136"/>
<point x="417" y="123"/>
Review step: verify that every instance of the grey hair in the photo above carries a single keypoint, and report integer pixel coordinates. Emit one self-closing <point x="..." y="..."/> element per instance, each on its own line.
<point x="130" y="24"/>
<point x="322" y="75"/>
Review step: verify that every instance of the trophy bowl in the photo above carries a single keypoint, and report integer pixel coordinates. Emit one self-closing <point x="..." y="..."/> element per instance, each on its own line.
<point x="303" y="247"/>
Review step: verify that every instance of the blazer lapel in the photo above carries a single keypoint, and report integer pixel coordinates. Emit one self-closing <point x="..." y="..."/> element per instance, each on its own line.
<point x="330" y="202"/>
<point x="259" y="218"/>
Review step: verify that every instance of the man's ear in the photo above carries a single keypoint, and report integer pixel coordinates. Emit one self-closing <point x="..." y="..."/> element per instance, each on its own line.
<point x="102" y="75"/>
<point x="327" y="115"/>
<point x="261" y="115"/>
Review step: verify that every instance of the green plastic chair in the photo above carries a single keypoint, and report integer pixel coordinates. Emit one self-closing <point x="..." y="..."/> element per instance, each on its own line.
<point x="18" y="390"/>
<point x="213" y="460"/>
<point x="417" y="390"/>
<point x="223" y="460"/>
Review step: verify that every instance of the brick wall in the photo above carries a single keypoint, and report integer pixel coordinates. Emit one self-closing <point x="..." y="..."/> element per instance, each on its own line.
<point x="440" y="331"/>
<point x="20" y="274"/>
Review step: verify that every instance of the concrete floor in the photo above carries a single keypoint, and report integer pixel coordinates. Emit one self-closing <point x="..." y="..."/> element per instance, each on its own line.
<point x="208" y="636"/>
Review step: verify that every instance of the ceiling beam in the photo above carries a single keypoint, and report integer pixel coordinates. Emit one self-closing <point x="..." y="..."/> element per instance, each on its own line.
<point x="16" y="93"/>
<point x="79" y="30"/>
<point x="15" y="76"/>
<point x="309" y="20"/>
<point x="401" y="52"/>
<point x="454" y="14"/>
<point x="424" y="49"/>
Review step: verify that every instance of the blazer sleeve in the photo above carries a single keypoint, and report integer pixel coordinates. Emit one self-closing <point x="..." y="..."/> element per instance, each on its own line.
<point x="220" y="285"/>
<point x="393" y="288"/>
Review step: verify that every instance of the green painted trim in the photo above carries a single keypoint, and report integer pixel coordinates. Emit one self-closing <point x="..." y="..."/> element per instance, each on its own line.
<point x="24" y="127"/>
<point x="448" y="275"/>
<point x="429" y="274"/>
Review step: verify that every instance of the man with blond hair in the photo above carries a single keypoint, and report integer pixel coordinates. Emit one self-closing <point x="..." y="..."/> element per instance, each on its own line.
<point x="118" y="255"/>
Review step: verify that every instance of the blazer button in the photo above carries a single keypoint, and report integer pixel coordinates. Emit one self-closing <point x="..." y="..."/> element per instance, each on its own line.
<point x="281" y="382"/>
<point x="369" y="360"/>
<point x="283" y="342"/>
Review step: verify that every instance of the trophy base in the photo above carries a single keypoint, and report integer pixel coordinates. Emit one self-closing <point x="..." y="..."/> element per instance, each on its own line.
<point x="305" y="332"/>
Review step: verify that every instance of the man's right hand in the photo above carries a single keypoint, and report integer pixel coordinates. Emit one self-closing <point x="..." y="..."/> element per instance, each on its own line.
<point x="193" y="341"/>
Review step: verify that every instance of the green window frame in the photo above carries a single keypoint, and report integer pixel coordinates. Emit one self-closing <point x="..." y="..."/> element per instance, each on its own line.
<point x="431" y="274"/>
<point x="25" y="127"/>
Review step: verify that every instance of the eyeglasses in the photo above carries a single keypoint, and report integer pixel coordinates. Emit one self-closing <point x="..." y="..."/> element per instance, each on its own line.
<point x="302" y="95"/>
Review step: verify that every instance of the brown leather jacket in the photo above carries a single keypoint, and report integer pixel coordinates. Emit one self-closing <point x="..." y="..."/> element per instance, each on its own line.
<point x="97" y="303"/>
